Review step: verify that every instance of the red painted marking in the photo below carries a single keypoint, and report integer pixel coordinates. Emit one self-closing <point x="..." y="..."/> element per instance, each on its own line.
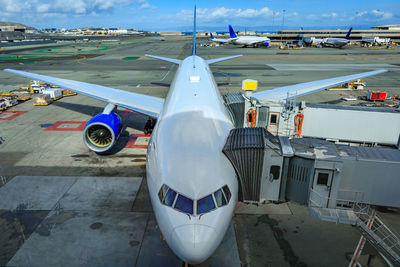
<point x="15" y="114"/>
<point x="128" y="112"/>
<point x="132" y="141"/>
<point x="55" y="126"/>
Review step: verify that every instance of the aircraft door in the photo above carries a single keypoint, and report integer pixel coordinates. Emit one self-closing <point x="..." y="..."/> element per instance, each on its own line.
<point x="322" y="185"/>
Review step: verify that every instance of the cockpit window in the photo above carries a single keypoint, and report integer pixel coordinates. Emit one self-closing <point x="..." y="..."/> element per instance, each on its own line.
<point x="169" y="197"/>
<point x="184" y="204"/>
<point x="205" y="204"/>
<point x="227" y="192"/>
<point x="220" y="198"/>
<point x="162" y="192"/>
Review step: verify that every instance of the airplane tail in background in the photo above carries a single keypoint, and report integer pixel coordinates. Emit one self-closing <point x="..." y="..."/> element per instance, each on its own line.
<point x="194" y="32"/>
<point x="348" y="33"/>
<point x="211" y="36"/>
<point x="232" y="32"/>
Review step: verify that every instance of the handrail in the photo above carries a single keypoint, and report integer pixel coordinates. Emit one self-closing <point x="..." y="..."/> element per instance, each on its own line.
<point x="321" y="198"/>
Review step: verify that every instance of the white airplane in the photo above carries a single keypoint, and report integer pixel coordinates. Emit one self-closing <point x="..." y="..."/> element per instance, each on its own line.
<point x="254" y="41"/>
<point x="219" y="40"/>
<point x="337" y="42"/>
<point x="193" y="186"/>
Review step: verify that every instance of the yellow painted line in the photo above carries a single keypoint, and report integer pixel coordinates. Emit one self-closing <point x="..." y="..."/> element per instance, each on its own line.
<point x="79" y="60"/>
<point x="161" y="255"/>
<point x="183" y="49"/>
<point x="228" y="79"/>
<point x="163" y="67"/>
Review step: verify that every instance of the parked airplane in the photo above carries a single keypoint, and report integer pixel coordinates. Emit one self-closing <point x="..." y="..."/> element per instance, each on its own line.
<point x="337" y="42"/>
<point x="192" y="184"/>
<point x="254" y="41"/>
<point x="219" y="40"/>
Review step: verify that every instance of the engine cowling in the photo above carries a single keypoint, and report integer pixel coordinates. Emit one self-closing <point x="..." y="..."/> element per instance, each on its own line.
<point x="102" y="132"/>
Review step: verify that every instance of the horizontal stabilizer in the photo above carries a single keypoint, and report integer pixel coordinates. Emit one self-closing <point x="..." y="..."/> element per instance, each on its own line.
<point x="297" y="90"/>
<point x="172" y="60"/>
<point x="211" y="61"/>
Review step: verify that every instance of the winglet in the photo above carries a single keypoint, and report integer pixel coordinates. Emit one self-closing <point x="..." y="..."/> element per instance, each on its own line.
<point x="172" y="60"/>
<point x="232" y="32"/>
<point x="211" y="36"/>
<point x="215" y="60"/>
<point x="348" y="33"/>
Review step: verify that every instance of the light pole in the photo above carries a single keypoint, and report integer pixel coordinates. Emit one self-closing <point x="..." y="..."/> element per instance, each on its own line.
<point x="283" y="23"/>
<point x="273" y="20"/>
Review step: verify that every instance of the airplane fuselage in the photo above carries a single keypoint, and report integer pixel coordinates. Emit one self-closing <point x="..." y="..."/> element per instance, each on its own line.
<point x="335" y="42"/>
<point x="250" y="40"/>
<point x="185" y="154"/>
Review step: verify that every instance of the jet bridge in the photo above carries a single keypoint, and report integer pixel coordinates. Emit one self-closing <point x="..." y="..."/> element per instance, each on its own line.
<point x="338" y="123"/>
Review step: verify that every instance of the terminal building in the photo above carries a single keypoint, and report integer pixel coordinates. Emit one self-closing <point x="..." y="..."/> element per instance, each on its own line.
<point x="10" y="32"/>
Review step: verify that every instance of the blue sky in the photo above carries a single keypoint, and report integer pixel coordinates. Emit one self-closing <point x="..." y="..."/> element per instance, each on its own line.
<point x="212" y="15"/>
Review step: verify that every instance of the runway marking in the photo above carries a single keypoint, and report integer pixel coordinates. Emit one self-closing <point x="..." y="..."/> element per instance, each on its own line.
<point x="135" y="138"/>
<point x="11" y="117"/>
<point x="66" y="126"/>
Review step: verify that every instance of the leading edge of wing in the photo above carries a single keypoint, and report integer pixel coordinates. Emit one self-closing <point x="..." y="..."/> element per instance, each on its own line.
<point x="301" y="89"/>
<point x="148" y="105"/>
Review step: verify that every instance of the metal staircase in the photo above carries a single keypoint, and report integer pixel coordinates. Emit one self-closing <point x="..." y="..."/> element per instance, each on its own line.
<point x="380" y="236"/>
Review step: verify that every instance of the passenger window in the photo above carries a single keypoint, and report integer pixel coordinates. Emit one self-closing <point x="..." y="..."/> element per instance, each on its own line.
<point x="162" y="192"/>
<point x="220" y="198"/>
<point x="169" y="197"/>
<point x="205" y="204"/>
<point x="227" y="193"/>
<point x="184" y="204"/>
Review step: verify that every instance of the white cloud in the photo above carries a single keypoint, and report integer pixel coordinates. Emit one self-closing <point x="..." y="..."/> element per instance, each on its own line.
<point x="13" y="8"/>
<point x="331" y="15"/>
<point x="213" y="14"/>
<point x="382" y="15"/>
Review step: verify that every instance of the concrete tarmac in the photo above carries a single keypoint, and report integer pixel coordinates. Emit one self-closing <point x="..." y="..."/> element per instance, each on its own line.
<point x="46" y="141"/>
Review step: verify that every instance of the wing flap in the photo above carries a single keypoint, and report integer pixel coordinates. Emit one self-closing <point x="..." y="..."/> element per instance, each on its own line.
<point x="148" y="105"/>
<point x="297" y="90"/>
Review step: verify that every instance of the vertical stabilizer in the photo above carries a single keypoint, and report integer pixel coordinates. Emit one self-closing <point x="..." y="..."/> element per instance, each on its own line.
<point x="348" y="33"/>
<point x="232" y="32"/>
<point x="194" y="32"/>
<point x="212" y="37"/>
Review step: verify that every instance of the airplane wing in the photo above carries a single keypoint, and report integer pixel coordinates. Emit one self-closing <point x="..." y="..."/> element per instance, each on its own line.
<point x="148" y="105"/>
<point x="297" y="90"/>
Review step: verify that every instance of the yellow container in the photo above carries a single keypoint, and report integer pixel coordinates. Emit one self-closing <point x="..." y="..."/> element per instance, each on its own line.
<point x="249" y="85"/>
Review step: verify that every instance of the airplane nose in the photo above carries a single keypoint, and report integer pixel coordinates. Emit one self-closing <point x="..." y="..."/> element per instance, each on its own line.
<point x="193" y="243"/>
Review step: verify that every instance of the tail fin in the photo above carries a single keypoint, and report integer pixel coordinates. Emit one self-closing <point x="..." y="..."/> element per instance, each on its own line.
<point x="348" y="33"/>
<point x="211" y="36"/>
<point x="194" y="32"/>
<point x="232" y="32"/>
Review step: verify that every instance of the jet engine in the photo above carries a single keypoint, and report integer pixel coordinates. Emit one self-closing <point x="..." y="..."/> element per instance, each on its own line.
<point x="102" y="131"/>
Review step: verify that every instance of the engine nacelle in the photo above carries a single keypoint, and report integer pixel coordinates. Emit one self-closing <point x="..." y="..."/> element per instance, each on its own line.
<point x="102" y="131"/>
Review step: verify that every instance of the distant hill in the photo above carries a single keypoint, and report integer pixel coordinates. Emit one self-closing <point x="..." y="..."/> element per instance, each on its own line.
<point x="16" y="24"/>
